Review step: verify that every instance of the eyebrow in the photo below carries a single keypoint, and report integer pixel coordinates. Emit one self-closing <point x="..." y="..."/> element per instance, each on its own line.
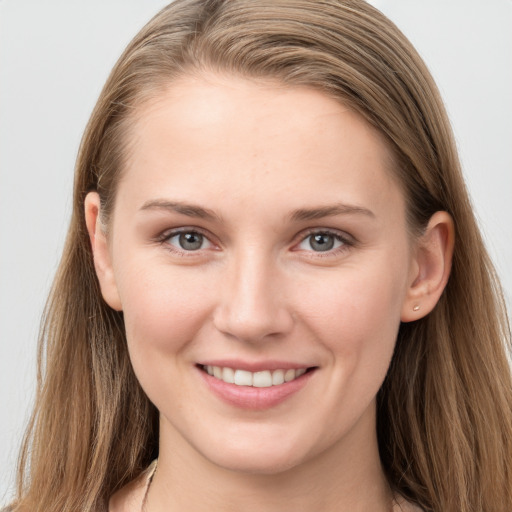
<point x="187" y="209"/>
<point x="303" y="214"/>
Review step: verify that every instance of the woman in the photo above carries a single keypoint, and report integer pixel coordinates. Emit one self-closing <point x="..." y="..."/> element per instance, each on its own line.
<point x="273" y="282"/>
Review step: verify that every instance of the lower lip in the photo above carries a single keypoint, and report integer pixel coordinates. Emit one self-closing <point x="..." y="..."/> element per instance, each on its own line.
<point x="250" y="397"/>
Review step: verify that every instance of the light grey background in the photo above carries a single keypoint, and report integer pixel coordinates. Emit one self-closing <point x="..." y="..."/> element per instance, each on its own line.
<point x="54" y="58"/>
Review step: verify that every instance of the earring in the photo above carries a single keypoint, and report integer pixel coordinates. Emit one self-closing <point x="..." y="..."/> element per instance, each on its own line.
<point x="416" y="308"/>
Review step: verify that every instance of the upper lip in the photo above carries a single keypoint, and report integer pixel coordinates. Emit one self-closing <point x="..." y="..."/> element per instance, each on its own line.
<point x="254" y="366"/>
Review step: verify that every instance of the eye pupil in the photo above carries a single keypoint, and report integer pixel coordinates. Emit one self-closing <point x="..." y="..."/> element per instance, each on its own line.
<point x="322" y="242"/>
<point x="191" y="241"/>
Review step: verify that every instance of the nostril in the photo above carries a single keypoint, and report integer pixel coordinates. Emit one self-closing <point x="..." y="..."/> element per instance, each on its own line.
<point x="253" y="324"/>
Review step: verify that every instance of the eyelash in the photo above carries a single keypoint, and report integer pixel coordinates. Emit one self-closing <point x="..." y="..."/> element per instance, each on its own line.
<point x="164" y="240"/>
<point x="345" y="241"/>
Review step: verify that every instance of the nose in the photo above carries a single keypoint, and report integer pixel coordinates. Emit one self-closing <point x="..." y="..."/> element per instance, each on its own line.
<point x="252" y="303"/>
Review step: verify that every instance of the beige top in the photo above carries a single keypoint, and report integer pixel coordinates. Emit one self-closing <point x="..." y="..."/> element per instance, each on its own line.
<point x="132" y="497"/>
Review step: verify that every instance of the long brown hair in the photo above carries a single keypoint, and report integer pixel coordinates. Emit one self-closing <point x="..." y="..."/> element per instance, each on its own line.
<point x="445" y="408"/>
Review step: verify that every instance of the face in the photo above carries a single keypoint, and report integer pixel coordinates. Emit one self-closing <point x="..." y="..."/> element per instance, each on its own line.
<point x="260" y="254"/>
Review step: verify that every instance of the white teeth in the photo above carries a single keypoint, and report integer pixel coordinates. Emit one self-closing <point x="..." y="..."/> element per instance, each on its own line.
<point x="289" y="375"/>
<point x="277" y="377"/>
<point x="228" y="375"/>
<point x="263" y="379"/>
<point x="243" y="378"/>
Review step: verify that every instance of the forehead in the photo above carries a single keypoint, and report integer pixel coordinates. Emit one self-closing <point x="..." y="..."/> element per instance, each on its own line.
<point x="234" y="135"/>
<point x="203" y="101"/>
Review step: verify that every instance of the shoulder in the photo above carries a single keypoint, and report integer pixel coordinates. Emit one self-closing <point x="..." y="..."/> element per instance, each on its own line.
<point x="402" y="505"/>
<point x="131" y="497"/>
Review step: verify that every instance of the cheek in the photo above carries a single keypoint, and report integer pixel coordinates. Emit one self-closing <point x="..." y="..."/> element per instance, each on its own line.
<point x="360" y="301"/>
<point x="356" y="315"/>
<point x="163" y="310"/>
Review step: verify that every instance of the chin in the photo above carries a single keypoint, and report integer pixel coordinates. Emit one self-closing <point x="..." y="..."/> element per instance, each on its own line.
<point x="257" y="464"/>
<point x="253" y="457"/>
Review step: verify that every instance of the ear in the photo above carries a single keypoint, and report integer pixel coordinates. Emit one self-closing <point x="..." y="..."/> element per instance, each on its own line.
<point x="100" y="251"/>
<point x="431" y="267"/>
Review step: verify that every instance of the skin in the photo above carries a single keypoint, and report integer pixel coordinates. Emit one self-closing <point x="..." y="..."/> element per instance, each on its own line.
<point x="270" y="165"/>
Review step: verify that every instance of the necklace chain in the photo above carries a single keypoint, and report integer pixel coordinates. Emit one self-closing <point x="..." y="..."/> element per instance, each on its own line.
<point x="152" y="471"/>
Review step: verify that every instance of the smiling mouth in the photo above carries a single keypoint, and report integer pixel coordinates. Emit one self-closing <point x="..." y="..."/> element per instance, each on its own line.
<point x="261" y="379"/>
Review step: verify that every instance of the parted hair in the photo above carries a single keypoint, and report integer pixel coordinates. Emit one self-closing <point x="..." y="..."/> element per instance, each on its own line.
<point x="444" y="412"/>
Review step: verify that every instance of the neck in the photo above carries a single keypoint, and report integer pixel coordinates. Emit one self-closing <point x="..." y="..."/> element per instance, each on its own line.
<point x="346" y="477"/>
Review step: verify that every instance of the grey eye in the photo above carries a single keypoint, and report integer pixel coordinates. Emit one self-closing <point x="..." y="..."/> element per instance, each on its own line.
<point x="320" y="242"/>
<point x="189" y="241"/>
